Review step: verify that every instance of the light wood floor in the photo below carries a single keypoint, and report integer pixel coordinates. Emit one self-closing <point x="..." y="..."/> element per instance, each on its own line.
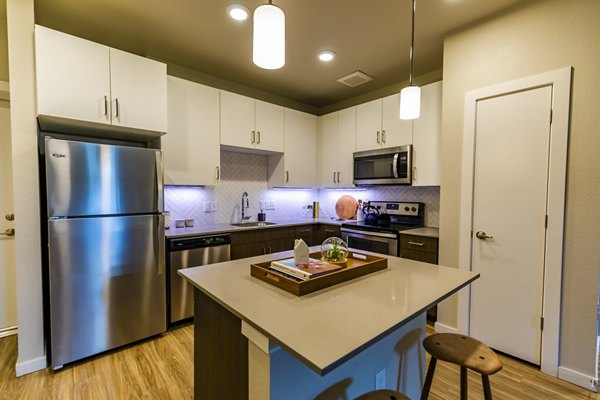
<point x="162" y="368"/>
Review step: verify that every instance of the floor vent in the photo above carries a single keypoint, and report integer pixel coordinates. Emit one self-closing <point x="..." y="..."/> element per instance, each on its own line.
<point x="355" y="79"/>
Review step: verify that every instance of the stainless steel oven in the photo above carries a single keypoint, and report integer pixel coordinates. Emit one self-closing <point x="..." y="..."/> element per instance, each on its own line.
<point x="377" y="242"/>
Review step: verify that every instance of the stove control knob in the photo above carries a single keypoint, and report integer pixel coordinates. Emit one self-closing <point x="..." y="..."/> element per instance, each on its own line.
<point x="414" y="209"/>
<point x="406" y="209"/>
<point x="379" y="207"/>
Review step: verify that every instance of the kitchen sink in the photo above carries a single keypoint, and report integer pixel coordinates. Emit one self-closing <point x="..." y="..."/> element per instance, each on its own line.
<point x="253" y="224"/>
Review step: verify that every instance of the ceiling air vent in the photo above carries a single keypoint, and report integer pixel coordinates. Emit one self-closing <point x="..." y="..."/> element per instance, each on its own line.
<point x="355" y="79"/>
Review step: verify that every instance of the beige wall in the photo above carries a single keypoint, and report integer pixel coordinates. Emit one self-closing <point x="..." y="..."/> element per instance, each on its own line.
<point x="534" y="38"/>
<point x="3" y="45"/>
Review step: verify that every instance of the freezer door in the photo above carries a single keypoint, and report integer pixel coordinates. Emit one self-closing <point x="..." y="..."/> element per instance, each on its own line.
<point x="106" y="284"/>
<point x="99" y="179"/>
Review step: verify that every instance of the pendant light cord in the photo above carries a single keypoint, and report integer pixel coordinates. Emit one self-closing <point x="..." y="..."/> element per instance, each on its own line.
<point x="412" y="43"/>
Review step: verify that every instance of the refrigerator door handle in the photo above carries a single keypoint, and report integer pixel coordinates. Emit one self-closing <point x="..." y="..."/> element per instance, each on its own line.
<point x="159" y="180"/>
<point x="159" y="246"/>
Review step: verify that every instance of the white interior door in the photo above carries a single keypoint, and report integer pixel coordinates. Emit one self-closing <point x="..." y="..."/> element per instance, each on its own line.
<point x="8" y="294"/>
<point x="512" y="137"/>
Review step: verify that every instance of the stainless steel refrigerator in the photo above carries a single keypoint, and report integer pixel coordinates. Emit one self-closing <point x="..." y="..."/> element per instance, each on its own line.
<point x="106" y="280"/>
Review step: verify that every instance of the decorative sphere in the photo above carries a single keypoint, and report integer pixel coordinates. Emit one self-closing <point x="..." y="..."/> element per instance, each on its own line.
<point x="334" y="249"/>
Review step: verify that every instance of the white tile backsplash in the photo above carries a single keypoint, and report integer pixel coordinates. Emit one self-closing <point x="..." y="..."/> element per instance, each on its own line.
<point x="242" y="172"/>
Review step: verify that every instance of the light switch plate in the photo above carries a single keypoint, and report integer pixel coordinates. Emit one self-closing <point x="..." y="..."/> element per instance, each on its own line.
<point x="207" y="206"/>
<point x="213" y="206"/>
<point x="269" y="205"/>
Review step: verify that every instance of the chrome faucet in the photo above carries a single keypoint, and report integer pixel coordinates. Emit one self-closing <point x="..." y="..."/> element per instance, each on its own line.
<point x="245" y="205"/>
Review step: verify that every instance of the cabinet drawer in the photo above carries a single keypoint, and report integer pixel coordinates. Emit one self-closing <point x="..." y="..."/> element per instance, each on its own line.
<point x="418" y="255"/>
<point x="419" y="243"/>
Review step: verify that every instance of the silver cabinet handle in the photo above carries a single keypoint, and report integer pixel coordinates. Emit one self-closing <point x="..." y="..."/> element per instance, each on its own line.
<point x="378" y="138"/>
<point x="218" y="173"/>
<point x="8" y="232"/>
<point x="287" y="176"/>
<point x="257" y="137"/>
<point x="482" y="235"/>
<point x="415" y="243"/>
<point x="10" y="217"/>
<point x="338" y="177"/>
<point x="252" y="136"/>
<point x="106" y="106"/>
<point x="414" y="174"/>
<point x="117" y="108"/>
<point x="333" y="176"/>
<point x="383" y="136"/>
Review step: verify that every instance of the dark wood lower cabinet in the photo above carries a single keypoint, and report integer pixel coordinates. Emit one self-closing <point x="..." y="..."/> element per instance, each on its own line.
<point x="220" y="352"/>
<point x="257" y="242"/>
<point x="327" y="231"/>
<point x="421" y="248"/>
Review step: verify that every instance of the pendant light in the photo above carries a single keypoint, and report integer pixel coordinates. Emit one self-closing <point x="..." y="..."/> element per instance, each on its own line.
<point x="410" y="96"/>
<point x="268" y="49"/>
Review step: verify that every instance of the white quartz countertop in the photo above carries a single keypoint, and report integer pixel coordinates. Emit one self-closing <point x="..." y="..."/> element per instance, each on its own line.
<point x="174" y="232"/>
<point x="429" y="232"/>
<point x="327" y="327"/>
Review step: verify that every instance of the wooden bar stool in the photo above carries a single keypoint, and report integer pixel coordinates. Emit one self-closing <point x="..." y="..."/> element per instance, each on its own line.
<point x="467" y="353"/>
<point x="384" y="394"/>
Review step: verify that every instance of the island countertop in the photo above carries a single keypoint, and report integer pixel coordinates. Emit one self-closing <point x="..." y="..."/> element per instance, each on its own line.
<point x="325" y="328"/>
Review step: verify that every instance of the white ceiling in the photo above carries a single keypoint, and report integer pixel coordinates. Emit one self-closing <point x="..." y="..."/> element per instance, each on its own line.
<point x="371" y="36"/>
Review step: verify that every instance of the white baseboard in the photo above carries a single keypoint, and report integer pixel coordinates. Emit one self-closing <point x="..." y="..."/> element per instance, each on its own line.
<point x="441" y="328"/>
<point x="577" y="378"/>
<point x="30" y="366"/>
<point x="11" y="330"/>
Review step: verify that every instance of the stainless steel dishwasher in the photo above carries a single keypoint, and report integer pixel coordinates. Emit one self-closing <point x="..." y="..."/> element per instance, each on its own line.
<point x="191" y="252"/>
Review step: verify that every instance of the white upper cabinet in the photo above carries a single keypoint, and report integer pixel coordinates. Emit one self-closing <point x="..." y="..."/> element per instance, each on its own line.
<point x="297" y="167"/>
<point x="72" y="77"/>
<point x="250" y="123"/>
<point x="394" y="131"/>
<point x="191" y="148"/>
<point x="427" y="136"/>
<point x="337" y="141"/>
<point x="82" y="80"/>
<point x="138" y="91"/>
<point x="378" y="124"/>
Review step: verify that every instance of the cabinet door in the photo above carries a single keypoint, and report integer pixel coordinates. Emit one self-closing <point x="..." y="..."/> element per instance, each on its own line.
<point x="191" y="151"/>
<point x="300" y="149"/>
<point x="269" y="126"/>
<point x="328" y="149"/>
<point x="395" y="131"/>
<point x="368" y="125"/>
<point x="138" y="91"/>
<point x="346" y="146"/>
<point x="237" y="120"/>
<point x="72" y="77"/>
<point x="427" y="136"/>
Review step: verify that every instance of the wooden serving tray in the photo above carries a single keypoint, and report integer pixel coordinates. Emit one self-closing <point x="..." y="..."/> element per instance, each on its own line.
<point x="356" y="266"/>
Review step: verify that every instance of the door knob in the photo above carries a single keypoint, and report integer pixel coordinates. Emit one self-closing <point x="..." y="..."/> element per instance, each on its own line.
<point x="10" y="217"/>
<point x="8" y="232"/>
<point x="482" y="235"/>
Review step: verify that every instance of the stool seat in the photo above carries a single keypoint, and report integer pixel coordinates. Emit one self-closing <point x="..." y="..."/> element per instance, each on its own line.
<point x="383" y="395"/>
<point x="464" y="351"/>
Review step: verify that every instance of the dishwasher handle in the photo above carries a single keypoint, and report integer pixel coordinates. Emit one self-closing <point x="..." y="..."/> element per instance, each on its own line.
<point x="195" y="242"/>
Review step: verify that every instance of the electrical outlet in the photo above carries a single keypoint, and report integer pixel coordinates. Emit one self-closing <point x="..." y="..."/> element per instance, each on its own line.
<point x="207" y="206"/>
<point x="213" y="206"/>
<point x="270" y="205"/>
<point x="380" y="380"/>
<point x="261" y="204"/>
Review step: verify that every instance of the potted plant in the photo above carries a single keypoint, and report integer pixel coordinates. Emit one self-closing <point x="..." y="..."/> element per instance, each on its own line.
<point x="334" y="250"/>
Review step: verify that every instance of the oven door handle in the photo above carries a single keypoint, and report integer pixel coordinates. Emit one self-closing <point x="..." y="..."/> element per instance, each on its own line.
<point x="364" y="234"/>
<point x="395" y="165"/>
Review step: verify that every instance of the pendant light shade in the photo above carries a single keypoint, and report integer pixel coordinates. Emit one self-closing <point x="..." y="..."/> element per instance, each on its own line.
<point x="410" y="102"/>
<point x="269" y="37"/>
<point x="410" y="97"/>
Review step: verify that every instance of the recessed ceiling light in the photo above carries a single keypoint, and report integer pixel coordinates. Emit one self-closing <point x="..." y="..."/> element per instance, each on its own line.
<point x="238" y="12"/>
<point x="326" y="55"/>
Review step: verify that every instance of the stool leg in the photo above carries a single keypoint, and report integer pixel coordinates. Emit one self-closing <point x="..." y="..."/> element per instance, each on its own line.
<point x="463" y="383"/>
<point x="487" y="390"/>
<point x="428" y="378"/>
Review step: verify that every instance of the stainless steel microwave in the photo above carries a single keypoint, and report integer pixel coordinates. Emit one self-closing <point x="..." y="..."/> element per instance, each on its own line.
<point x="391" y="166"/>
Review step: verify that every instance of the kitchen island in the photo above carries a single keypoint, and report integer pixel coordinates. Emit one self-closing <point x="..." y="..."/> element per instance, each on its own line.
<point x="255" y="341"/>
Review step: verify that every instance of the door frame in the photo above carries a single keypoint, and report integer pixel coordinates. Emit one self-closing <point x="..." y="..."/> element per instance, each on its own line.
<point x="560" y="80"/>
